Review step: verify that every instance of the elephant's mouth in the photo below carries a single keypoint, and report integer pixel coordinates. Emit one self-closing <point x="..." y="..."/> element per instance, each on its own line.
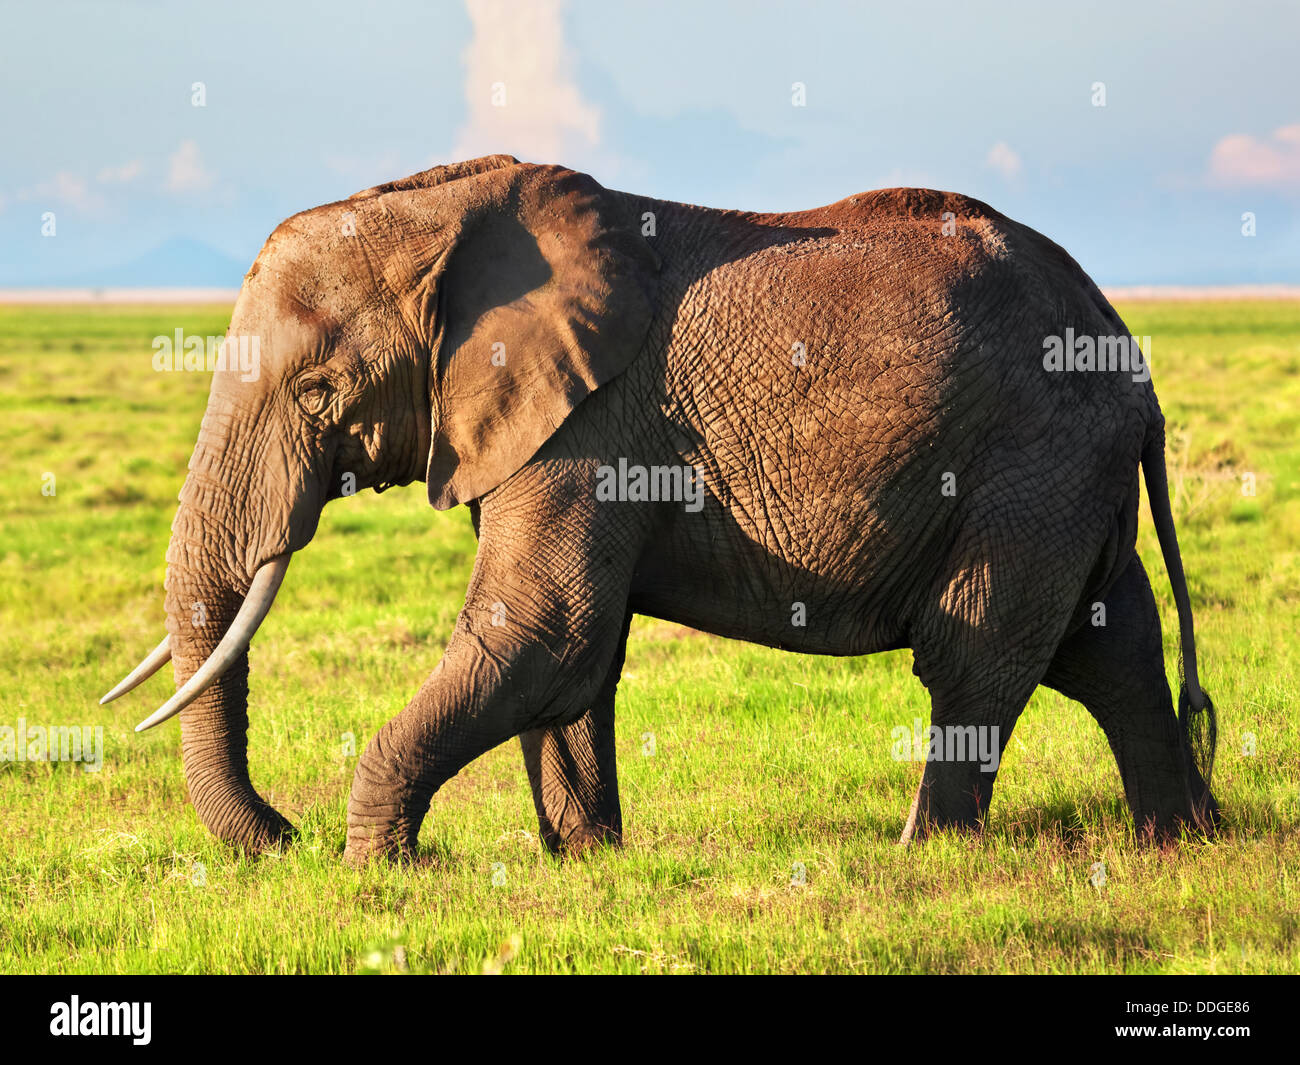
<point x="257" y="604"/>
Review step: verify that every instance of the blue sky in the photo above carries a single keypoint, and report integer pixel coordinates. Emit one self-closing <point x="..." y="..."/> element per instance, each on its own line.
<point x="306" y="103"/>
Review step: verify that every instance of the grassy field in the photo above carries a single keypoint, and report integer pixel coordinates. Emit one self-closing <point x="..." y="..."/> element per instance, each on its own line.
<point x="760" y="830"/>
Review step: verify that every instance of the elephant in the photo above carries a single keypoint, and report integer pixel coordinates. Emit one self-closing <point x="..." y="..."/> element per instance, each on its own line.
<point x="838" y="431"/>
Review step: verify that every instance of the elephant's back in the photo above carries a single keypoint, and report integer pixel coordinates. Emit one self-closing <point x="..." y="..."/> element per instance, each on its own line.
<point x="855" y="353"/>
<point x="918" y="296"/>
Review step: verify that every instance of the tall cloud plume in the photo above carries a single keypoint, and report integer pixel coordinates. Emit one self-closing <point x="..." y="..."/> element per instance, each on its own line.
<point x="519" y="87"/>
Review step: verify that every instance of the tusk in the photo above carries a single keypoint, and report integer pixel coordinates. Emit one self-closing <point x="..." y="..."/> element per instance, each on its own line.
<point x="261" y="594"/>
<point x="154" y="661"/>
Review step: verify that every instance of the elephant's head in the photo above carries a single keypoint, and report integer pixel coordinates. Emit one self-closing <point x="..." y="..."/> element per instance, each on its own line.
<point x="438" y="327"/>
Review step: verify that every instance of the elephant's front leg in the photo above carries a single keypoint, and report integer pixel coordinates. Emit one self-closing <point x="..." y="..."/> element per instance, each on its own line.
<point x="534" y="648"/>
<point x="573" y="773"/>
<point x="482" y="693"/>
<point x="453" y="719"/>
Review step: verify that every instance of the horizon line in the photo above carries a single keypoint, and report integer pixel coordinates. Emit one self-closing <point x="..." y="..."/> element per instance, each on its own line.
<point x="107" y="295"/>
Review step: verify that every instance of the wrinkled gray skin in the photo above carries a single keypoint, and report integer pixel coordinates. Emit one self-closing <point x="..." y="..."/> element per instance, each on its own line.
<point x="823" y="480"/>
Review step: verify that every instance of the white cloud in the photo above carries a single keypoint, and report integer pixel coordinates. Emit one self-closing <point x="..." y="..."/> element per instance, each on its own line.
<point x="519" y="49"/>
<point x="73" y="190"/>
<point x="64" y="188"/>
<point x="185" y="170"/>
<point x="1240" y="159"/>
<point x="1002" y="159"/>
<point x="120" y="174"/>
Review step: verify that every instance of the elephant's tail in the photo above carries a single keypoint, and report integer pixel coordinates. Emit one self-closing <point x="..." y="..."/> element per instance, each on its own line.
<point x="1196" y="715"/>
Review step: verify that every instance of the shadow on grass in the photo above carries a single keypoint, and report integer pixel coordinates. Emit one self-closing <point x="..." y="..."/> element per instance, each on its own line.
<point x="1070" y="819"/>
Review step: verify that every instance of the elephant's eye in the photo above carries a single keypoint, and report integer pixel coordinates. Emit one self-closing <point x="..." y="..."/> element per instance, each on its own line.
<point x="314" y="394"/>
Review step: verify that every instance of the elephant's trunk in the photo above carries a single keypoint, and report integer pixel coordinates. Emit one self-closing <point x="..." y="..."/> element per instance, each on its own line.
<point x="204" y="595"/>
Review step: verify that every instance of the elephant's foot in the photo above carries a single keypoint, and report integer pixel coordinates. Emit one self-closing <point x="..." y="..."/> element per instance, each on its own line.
<point x="369" y="842"/>
<point x="919" y="829"/>
<point x="1168" y="828"/>
<point x="1165" y="804"/>
<point x="944" y="804"/>
<point x="582" y="841"/>
<point x="383" y="818"/>
<point x="387" y="805"/>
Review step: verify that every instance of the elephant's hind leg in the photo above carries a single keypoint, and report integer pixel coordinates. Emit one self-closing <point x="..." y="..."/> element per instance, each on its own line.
<point x="969" y="731"/>
<point x="1117" y="671"/>
<point x="995" y="622"/>
<point x="573" y="775"/>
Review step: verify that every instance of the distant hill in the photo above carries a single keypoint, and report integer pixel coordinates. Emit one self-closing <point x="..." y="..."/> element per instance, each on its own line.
<point x="178" y="263"/>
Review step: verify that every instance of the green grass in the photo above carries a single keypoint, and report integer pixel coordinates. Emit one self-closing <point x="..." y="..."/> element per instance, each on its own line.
<point x="761" y="759"/>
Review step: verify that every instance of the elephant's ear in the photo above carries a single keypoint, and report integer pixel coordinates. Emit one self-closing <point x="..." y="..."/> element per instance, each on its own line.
<point x="545" y="293"/>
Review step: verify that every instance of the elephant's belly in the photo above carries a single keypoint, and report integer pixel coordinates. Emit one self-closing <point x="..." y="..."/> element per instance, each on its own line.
<point x="722" y="582"/>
